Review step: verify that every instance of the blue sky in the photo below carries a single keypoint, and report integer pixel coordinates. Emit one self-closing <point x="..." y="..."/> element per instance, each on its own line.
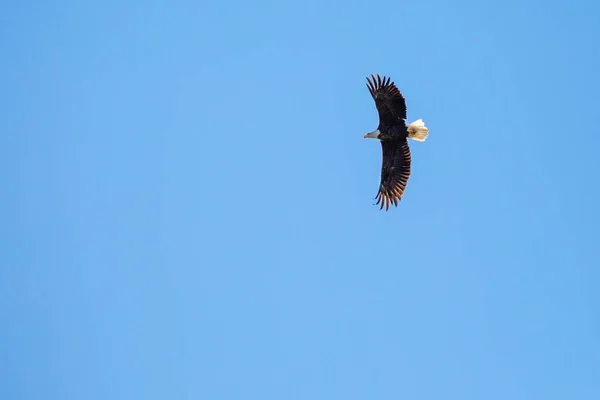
<point x="188" y="201"/>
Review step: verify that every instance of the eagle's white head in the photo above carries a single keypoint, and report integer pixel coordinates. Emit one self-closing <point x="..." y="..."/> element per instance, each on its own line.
<point x="372" y="135"/>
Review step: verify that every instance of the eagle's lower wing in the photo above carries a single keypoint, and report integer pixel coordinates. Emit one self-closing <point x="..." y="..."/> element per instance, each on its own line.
<point x="395" y="171"/>
<point x="390" y="103"/>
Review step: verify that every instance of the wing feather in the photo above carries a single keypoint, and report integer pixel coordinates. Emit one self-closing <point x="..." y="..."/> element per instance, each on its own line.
<point x="390" y="103"/>
<point x="395" y="172"/>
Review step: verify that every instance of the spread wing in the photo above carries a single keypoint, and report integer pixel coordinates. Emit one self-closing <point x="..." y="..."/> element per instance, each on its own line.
<point x="388" y="100"/>
<point x="395" y="171"/>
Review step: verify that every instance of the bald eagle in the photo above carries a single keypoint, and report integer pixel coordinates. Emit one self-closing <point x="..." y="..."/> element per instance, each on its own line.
<point x="393" y="133"/>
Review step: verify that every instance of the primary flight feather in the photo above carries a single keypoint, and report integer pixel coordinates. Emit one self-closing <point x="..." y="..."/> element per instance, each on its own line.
<point x="393" y="133"/>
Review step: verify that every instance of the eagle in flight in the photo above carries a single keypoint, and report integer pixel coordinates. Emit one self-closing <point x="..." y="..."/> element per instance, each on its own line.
<point x="393" y="133"/>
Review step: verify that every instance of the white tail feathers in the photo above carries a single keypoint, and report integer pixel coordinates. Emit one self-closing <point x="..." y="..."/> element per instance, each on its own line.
<point x="418" y="131"/>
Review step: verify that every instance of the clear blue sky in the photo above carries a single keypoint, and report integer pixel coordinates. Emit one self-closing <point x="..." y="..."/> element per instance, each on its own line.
<point x="188" y="201"/>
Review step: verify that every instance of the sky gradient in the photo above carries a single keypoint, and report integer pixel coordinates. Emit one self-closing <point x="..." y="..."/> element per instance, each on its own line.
<point x="188" y="201"/>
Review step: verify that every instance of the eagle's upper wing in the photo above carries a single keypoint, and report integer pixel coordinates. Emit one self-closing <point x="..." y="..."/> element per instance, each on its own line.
<point x="388" y="100"/>
<point x="395" y="171"/>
